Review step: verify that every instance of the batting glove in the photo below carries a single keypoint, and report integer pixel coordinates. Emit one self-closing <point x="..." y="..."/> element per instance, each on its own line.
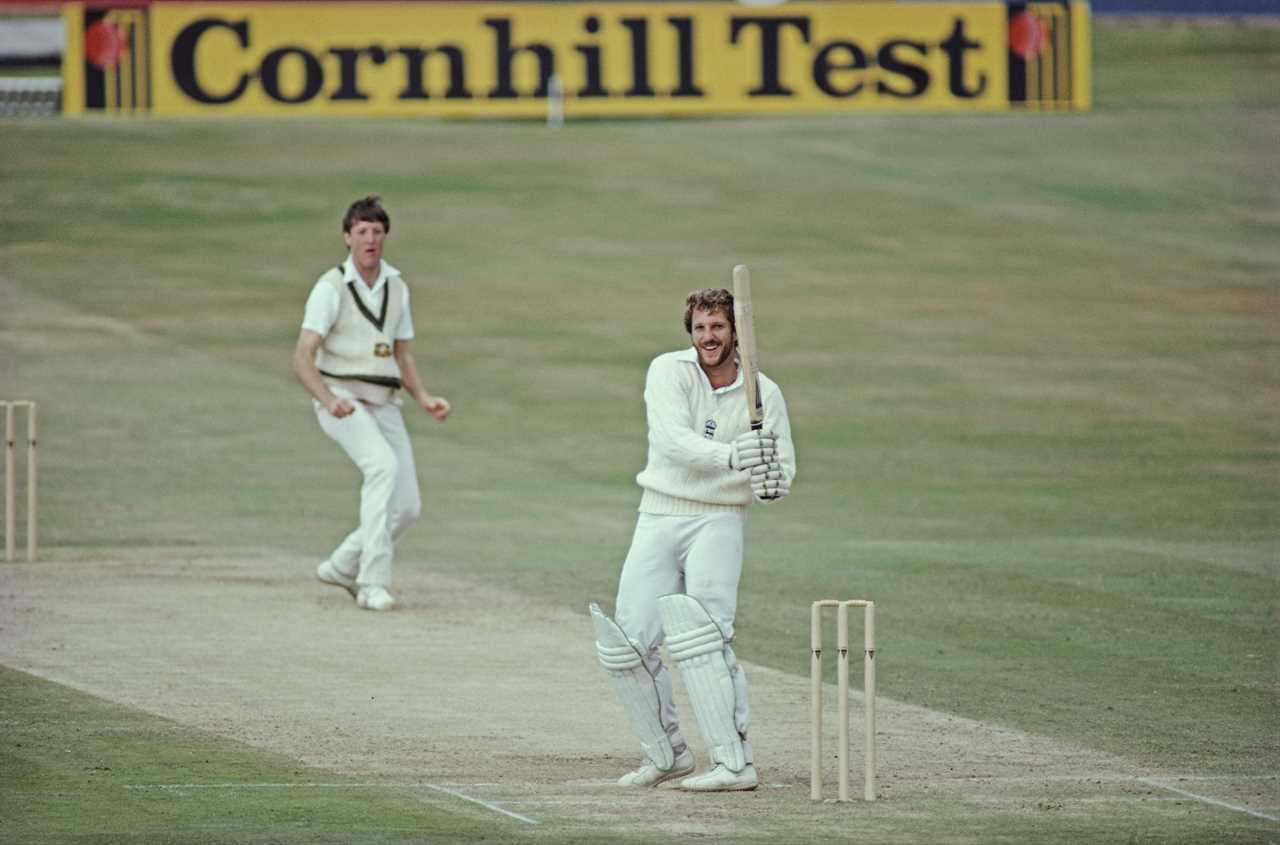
<point x="768" y="483"/>
<point x="753" y="449"/>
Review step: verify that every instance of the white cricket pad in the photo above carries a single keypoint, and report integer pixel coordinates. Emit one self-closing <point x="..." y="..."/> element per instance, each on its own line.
<point x="696" y="644"/>
<point x="636" y="688"/>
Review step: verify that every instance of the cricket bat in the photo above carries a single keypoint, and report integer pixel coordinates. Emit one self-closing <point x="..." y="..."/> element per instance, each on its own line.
<point x="748" y="357"/>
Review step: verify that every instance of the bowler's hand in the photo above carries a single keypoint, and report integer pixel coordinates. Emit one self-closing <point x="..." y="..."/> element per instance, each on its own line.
<point x="436" y="406"/>
<point x="341" y="407"/>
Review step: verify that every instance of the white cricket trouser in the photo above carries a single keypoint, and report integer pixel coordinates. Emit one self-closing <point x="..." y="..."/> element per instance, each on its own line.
<point x="697" y="555"/>
<point x="375" y="439"/>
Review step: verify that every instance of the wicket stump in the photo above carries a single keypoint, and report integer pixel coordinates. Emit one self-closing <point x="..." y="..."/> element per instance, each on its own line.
<point x="10" y="496"/>
<point x="842" y="684"/>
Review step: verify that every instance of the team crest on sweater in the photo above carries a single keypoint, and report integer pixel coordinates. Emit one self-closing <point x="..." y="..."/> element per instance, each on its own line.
<point x="709" y="429"/>
<point x="382" y="350"/>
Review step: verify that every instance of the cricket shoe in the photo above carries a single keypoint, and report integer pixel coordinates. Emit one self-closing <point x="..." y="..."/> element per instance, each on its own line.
<point x="329" y="574"/>
<point x="721" y="779"/>
<point x="375" y="598"/>
<point x="650" y="775"/>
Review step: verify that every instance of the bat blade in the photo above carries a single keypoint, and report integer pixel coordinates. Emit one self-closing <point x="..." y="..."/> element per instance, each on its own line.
<point x="749" y="359"/>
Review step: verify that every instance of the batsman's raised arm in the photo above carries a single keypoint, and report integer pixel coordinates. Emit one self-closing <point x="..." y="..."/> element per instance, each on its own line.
<point x="673" y="432"/>
<point x="771" y="479"/>
<point x="776" y="420"/>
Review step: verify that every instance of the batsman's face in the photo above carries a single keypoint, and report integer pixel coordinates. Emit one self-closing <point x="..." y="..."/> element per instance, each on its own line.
<point x="365" y="241"/>
<point x="712" y="336"/>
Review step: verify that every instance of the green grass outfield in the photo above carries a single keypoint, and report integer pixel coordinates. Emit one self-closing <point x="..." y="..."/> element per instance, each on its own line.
<point x="1031" y="362"/>
<point x="74" y="768"/>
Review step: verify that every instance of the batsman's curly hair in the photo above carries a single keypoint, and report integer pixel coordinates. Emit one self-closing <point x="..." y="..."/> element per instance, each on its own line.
<point x="709" y="300"/>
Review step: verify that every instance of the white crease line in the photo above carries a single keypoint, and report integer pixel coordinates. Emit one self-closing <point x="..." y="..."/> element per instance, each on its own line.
<point x="1105" y="778"/>
<point x="437" y="787"/>
<point x="1207" y="800"/>
<point x="487" y="805"/>
<point x="484" y="804"/>
<point x="1222" y="777"/>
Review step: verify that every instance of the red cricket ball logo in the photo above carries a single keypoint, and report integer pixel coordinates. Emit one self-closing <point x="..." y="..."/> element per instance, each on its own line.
<point x="1026" y="35"/>
<point x="104" y="44"/>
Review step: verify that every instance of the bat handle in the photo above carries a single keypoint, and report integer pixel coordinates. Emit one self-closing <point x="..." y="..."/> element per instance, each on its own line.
<point x="757" y="425"/>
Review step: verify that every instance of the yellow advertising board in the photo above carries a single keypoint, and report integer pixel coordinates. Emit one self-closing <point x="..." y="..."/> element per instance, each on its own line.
<point x="588" y="60"/>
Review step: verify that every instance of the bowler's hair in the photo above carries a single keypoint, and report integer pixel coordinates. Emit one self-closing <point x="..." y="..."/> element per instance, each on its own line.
<point x="368" y="210"/>
<point x="709" y="300"/>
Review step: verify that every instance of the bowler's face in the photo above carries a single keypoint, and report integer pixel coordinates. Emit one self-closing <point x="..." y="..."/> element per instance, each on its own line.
<point x="365" y="242"/>
<point x="712" y="337"/>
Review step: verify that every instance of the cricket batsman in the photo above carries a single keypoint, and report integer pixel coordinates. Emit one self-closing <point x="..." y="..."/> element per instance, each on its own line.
<point x="679" y="583"/>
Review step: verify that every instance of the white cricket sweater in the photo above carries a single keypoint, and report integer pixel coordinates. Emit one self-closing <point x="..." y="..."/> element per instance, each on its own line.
<point x="357" y="352"/>
<point x="691" y="427"/>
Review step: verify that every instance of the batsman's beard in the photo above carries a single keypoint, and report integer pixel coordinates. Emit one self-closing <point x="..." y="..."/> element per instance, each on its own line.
<point x="713" y="355"/>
